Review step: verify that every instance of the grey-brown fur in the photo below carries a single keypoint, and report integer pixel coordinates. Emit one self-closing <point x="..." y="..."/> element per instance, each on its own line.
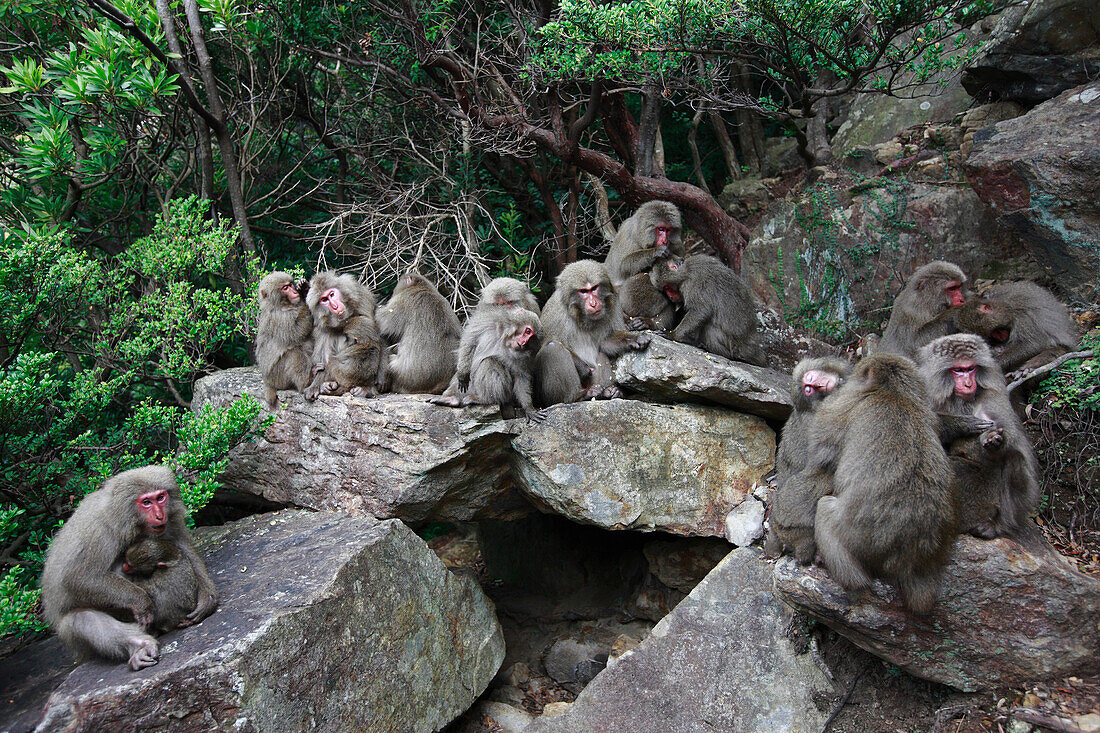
<point x="922" y="311"/>
<point x="634" y="249"/>
<point x="996" y="473"/>
<point x="95" y="611"/>
<point x="156" y="566"/>
<point x="1024" y="324"/>
<point x="794" y="502"/>
<point x="508" y="292"/>
<point x="578" y="346"/>
<point x="360" y="367"/>
<point x="892" y="514"/>
<point x="425" y="331"/>
<point x="284" y="343"/>
<point x="719" y="308"/>
<point x="329" y="328"/>
<point x="644" y="306"/>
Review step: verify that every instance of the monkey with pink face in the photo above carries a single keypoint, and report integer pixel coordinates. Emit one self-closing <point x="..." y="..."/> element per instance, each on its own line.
<point x="95" y="609"/>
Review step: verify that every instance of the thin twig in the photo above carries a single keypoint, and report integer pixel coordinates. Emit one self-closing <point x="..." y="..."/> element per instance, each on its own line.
<point x="844" y="700"/>
<point x="1050" y="366"/>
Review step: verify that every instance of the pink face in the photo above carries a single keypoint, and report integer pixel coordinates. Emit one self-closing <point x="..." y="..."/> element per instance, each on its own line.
<point x="663" y="232"/>
<point x="590" y="296"/>
<point x="333" y="300"/>
<point x="152" y="507"/>
<point x="504" y="302"/>
<point x="816" y="383"/>
<point x="290" y="292"/>
<point x="965" y="375"/>
<point x="522" y="338"/>
<point x="954" y="293"/>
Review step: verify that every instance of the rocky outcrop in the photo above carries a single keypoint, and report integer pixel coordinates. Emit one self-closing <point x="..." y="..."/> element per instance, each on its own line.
<point x="324" y="622"/>
<point x="1038" y="50"/>
<point x="719" y="661"/>
<point x="625" y="464"/>
<point x="1040" y="175"/>
<point x="1006" y="615"/>
<point x="668" y="371"/>
<point x="391" y="456"/>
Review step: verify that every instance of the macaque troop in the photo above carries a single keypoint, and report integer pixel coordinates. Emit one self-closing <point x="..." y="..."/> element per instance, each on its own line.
<point x="880" y="466"/>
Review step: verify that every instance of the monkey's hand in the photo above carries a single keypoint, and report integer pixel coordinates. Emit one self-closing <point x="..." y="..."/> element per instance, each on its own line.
<point x="143" y="611"/>
<point x="206" y="605"/>
<point x="641" y="341"/>
<point x="637" y="323"/>
<point x="1017" y="375"/>
<point x="330" y="387"/>
<point x="449" y="400"/>
<point x="316" y="369"/>
<point x="993" y="439"/>
<point x="536" y="416"/>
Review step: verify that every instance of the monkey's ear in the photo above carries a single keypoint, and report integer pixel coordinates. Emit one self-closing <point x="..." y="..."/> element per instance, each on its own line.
<point x="920" y="284"/>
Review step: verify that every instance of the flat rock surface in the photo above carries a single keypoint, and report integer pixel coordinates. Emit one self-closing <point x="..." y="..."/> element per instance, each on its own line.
<point x="391" y="456"/>
<point x="719" y="662"/>
<point x="1006" y="615"/>
<point x="625" y="464"/>
<point x="668" y="371"/>
<point x="325" y="622"/>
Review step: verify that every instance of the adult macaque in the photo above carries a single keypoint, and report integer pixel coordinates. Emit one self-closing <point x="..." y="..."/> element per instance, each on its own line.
<point x="719" y="309"/>
<point x="892" y="514"/>
<point x="653" y="233"/>
<point x="507" y="292"/>
<point x="995" y="472"/>
<point x="360" y="367"/>
<point x="337" y="303"/>
<point x="284" y="338"/>
<point x="94" y="609"/>
<point x="1024" y="324"/>
<point x="496" y="360"/>
<point x="155" y="565"/>
<point x="794" y="503"/>
<point x="426" y="332"/>
<point x="583" y="333"/>
<point x="924" y="310"/>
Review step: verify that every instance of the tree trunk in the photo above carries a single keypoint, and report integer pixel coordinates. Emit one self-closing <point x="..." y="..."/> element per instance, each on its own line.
<point x="693" y="145"/>
<point x="649" y="126"/>
<point x="724" y="143"/>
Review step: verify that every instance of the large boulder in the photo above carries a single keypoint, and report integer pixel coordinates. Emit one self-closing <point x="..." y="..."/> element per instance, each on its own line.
<point x="668" y="371"/>
<point x="718" y="662"/>
<point x="1006" y="616"/>
<point x="1040" y="175"/>
<point x="391" y="456"/>
<point x="626" y="464"/>
<point x="324" y="622"/>
<point x="1038" y="50"/>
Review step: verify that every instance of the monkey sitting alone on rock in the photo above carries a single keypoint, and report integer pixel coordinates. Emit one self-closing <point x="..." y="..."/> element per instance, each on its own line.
<point x="96" y="611"/>
<point x="284" y="338"/>
<point x="425" y="331"/>
<point x="719" y="309"/>
<point x="653" y="233"/>
<point x="996" y="475"/>
<point x="584" y="332"/>
<point x="892" y="515"/>
<point x="924" y="310"/>
<point x="794" y="503"/>
<point x="1024" y="325"/>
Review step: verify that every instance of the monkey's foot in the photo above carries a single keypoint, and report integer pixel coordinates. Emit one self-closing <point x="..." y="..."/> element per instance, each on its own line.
<point x="1017" y="375"/>
<point x="145" y="655"/>
<point x="536" y="416"/>
<point x="993" y="439"/>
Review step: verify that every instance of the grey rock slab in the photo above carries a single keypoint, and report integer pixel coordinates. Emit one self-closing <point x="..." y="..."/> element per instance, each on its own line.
<point x="391" y="456"/>
<point x="325" y="622"/>
<point x="1007" y="615"/>
<point x="673" y="372"/>
<point x="718" y="662"/>
<point x="625" y="464"/>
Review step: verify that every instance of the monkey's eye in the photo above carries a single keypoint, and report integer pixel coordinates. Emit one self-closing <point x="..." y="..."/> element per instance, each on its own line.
<point x="808" y="390"/>
<point x="673" y="266"/>
<point x="528" y="331"/>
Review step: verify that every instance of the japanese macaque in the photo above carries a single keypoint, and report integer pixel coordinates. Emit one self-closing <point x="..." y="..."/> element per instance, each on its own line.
<point x="719" y="309"/>
<point x="284" y="339"/>
<point x="644" y="306"/>
<point x="507" y="292"/>
<point x="995" y="472"/>
<point x="794" y="503"/>
<point x="892" y="513"/>
<point x="337" y="302"/>
<point x="359" y="368"/>
<point x="1024" y="325"/>
<point x="924" y="310"/>
<point x="653" y="232"/>
<point x="496" y="359"/>
<point x="97" y="611"/>
<point x="155" y="565"/>
<point x="425" y="331"/>
<point x="583" y="334"/>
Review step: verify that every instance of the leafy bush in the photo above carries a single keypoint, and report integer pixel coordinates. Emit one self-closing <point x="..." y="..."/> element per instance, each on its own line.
<point x="97" y="355"/>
